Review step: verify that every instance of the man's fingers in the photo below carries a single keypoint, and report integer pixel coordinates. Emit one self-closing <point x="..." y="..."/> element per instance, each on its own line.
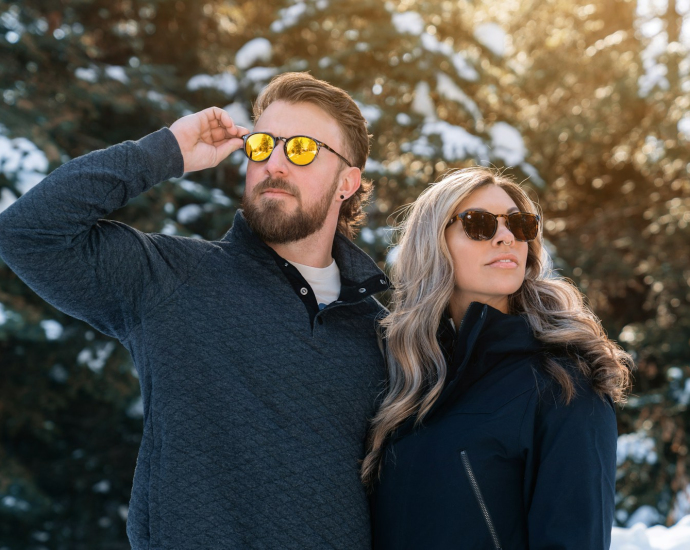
<point x="221" y="124"/>
<point x="224" y="149"/>
<point x="241" y="131"/>
<point x="222" y="134"/>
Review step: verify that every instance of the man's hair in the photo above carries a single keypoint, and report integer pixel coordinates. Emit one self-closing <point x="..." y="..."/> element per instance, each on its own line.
<point x="304" y="88"/>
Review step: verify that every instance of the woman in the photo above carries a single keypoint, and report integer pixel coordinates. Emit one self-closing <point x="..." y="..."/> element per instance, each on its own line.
<point x="498" y="427"/>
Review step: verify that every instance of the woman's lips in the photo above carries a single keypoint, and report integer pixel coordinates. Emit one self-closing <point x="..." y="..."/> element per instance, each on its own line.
<point x="504" y="261"/>
<point x="503" y="264"/>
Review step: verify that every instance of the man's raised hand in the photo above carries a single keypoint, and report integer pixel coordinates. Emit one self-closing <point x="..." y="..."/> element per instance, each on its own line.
<point x="206" y="138"/>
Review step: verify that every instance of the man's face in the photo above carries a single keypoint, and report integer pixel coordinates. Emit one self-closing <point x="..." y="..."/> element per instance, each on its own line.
<point x="283" y="202"/>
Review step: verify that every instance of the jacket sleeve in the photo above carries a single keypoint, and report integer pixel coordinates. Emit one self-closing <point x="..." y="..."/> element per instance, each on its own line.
<point x="572" y="485"/>
<point x="102" y="272"/>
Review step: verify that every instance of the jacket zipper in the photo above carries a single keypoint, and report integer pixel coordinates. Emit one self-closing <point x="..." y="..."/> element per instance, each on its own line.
<point x="480" y="499"/>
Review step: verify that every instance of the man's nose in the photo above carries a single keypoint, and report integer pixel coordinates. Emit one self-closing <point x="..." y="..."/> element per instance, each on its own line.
<point x="277" y="164"/>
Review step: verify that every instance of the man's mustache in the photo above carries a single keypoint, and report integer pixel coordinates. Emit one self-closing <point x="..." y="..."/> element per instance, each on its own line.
<point x="276" y="183"/>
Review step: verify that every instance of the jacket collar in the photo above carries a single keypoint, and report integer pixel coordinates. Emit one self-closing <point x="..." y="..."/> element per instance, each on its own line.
<point x="357" y="269"/>
<point x="486" y="341"/>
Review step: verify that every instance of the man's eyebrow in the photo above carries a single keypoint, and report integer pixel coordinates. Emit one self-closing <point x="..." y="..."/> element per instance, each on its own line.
<point x="510" y="210"/>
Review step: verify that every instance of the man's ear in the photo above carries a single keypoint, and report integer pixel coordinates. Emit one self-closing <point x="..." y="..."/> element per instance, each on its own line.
<point x="350" y="182"/>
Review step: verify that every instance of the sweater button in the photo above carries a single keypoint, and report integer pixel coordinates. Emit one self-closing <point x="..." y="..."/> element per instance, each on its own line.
<point x="362" y="290"/>
<point x="303" y="291"/>
<point x="321" y="320"/>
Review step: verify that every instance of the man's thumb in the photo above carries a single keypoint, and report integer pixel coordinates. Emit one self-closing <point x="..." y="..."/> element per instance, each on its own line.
<point x="227" y="147"/>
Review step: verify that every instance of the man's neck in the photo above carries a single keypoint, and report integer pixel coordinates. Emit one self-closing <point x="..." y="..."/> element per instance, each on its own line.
<point x="314" y="251"/>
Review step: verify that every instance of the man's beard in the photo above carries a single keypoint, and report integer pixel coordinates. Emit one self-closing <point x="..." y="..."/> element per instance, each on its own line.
<point x="268" y="220"/>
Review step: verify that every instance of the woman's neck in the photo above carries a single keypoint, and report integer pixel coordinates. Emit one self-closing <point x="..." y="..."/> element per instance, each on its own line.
<point x="458" y="305"/>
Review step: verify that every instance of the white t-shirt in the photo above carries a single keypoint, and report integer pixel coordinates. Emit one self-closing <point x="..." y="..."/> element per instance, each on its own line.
<point x="324" y="281"/>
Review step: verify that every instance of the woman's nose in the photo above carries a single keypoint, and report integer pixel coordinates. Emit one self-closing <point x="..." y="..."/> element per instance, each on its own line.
<point x="503" y="234"/>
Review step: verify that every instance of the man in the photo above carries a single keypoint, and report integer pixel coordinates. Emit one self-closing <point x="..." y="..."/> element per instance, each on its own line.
<point x="257" y="354"/>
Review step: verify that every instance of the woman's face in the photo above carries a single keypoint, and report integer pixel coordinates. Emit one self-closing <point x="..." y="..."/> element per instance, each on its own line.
<point x="480" y="275"/>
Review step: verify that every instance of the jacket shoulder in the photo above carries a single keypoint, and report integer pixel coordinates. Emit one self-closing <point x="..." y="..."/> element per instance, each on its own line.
<point x="551" y="391"/>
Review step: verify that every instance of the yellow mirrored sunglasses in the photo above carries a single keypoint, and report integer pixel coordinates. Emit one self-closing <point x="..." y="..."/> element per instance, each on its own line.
<point x="299" y="150"/>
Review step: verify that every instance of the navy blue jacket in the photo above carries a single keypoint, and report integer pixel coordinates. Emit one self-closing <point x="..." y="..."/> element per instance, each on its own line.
<point x="500" y="461"/>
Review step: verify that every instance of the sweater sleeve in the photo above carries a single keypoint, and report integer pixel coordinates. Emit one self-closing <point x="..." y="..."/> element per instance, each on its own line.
<point x="573" y="493"/>
<point x="102" y="272"/>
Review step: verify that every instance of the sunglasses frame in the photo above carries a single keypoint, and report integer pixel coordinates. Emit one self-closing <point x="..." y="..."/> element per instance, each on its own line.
<point x="285" y="140"/>
<point x="462" y="215"/>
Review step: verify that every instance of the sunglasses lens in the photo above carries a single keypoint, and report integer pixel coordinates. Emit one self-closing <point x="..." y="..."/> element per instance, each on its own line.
<point x="259" y="147"/>
<point x="479" y="226"/>
<point x="524" y="226"/>
<point x="301" y="150"/>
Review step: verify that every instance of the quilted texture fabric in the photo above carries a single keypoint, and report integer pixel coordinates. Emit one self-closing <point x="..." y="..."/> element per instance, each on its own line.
<point x="254" y="417"/>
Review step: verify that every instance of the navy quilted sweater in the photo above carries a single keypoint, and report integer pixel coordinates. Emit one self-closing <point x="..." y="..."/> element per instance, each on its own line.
<point x="254" y="414"/>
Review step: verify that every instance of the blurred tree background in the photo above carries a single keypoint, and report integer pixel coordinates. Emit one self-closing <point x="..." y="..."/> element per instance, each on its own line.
<point x="589" y="99"/>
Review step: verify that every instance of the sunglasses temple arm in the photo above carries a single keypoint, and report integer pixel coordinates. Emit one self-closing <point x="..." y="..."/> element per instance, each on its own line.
<point x="336" y="153"/>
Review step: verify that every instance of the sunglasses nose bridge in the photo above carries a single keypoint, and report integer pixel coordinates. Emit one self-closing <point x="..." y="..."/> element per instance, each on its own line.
<point x="277" y="161"/>
<point x="503" y="225"/>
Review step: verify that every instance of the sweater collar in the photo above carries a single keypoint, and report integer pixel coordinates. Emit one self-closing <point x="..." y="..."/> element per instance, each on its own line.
<point x="356" y="267"/>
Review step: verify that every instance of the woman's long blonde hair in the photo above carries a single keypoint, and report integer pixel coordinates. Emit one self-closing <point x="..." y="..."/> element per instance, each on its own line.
<point x="423" y="278"/>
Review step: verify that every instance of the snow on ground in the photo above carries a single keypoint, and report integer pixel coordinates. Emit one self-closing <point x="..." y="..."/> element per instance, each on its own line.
<point x="491" y="36"/>
<point x="681" y="506"/>
<point x="257" y="49"/>
<point x="641" y="537"/>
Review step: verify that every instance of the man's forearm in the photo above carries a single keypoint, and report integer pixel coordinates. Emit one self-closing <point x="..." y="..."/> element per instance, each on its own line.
<point x="96" y="271"/>
<point x="69" y="201"/>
